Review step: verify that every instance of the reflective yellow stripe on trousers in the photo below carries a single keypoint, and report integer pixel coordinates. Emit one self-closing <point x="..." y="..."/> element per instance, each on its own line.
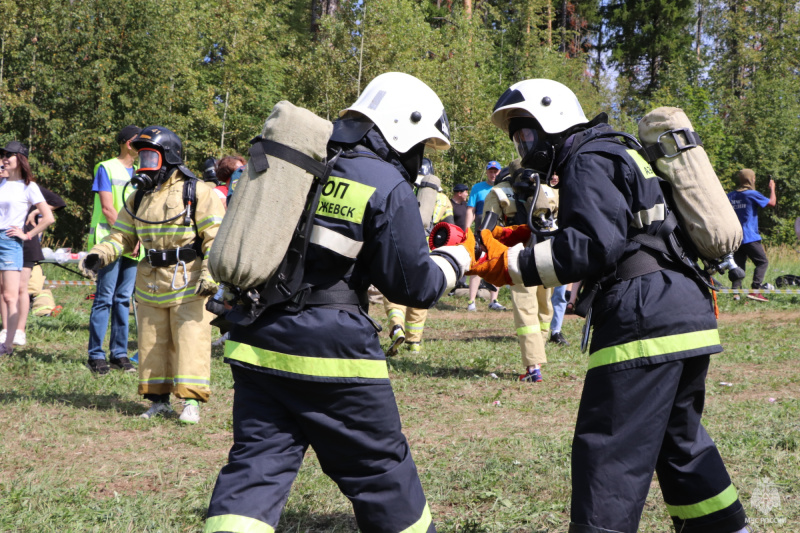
<point x="237" y="524"/>
<point x="721" y="501"/>
<point x="327" y="367"/>
<point x="244" y="524"/>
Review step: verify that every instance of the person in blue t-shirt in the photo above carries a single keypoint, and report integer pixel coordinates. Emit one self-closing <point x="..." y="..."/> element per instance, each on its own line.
<point x="474" y="211"/>
<point x="745" y="201"/>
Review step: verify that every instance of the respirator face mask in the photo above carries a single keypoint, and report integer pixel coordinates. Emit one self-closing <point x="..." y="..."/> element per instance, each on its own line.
<point x="150" y="166"/>
<point x="412" y="159"/>
<point x="536" y="150"/>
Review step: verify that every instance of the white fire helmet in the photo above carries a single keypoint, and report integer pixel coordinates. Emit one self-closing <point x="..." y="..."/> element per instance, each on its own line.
<point x="551" y="103"/>
<point x="405" y="110"/>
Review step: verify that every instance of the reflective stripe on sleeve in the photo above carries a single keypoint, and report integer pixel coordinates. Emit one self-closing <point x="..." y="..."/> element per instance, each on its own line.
<point x="421" y="525"/>
<point x="543" y="256"/>
<point x="236" y="524"/>
<point x="447" y="270"/>
<point x="124" y="228"/>
<point x="114" y="244"/>
<point x="721" y="501"/>
<point x="326" y="367"/>
<point x="645" y="217"/>
<point x="681" y="342"/>
<point x="335" y="242"/>
<point x="208" y="221"/>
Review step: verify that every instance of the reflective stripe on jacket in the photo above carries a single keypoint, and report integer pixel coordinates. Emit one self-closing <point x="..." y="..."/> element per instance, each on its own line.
<point x="367" y="229"/>
<point x="169" y="285"/>
<point x="608" y="194"/>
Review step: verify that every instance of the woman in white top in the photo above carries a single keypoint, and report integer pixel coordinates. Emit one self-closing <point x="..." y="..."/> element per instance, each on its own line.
<point x="18" y="193"/>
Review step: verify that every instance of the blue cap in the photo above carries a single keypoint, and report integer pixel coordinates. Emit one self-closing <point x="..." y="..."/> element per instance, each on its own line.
<point x="458" y="187"/>
<point x="493" y="164"/>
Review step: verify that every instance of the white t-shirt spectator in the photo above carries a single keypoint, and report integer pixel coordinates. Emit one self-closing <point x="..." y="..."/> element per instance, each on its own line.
<point x="15" y="200"/>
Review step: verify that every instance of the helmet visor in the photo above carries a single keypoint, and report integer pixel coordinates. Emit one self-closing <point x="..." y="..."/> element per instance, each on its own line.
<point x="525" y="140"/>
<point x="149" y="159"/>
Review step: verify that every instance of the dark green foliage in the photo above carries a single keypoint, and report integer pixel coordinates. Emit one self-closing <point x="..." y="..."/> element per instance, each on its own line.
<point x="73" y="73"/>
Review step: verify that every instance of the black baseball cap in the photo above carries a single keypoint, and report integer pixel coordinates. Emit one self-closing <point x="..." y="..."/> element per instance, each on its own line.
<point x="16" y="147"/>
<point x="458" y="187"/>
<point x="127" y="133"/>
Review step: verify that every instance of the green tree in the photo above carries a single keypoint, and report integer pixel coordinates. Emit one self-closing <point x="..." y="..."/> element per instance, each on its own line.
<point x="645" y="37"/>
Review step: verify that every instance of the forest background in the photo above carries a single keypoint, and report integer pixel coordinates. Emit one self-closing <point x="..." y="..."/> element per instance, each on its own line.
<point x="74" y="72"/>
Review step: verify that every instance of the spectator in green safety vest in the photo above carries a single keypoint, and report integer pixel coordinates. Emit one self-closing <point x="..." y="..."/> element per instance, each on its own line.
<point x="115" y="282"/>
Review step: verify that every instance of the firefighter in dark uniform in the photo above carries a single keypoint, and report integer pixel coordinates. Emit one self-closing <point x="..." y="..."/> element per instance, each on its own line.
<point x="318" y="376"/>
<point x="654" y="324"/>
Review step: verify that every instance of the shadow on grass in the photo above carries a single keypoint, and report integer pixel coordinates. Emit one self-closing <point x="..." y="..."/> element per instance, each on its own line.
<point x="53" y="324"/>
<point x="300" y="521"/>
<point x="472" y="336"/>
<point x="100" y="402"/>
<point x="400" y="363"/>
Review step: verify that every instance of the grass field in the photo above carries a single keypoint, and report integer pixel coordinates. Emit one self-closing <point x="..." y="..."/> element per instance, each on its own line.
<point x="493" y="454"/>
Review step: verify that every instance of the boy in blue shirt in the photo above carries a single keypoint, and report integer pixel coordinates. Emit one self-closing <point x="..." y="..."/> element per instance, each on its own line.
<point x="745" y="201"/>
<point x="477" y="195"/>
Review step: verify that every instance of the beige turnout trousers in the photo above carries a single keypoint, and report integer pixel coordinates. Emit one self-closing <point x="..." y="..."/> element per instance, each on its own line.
<point x="175" y="349"/>
<point x="412" y="320"/>
<point x="532" y="314"/>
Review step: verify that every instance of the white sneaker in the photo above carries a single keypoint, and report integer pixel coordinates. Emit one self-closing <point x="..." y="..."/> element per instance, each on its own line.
<point x="158" y="409"/>
<point x="2" y="336"/>
<point x="191" y="412"/>
<point x="471" y="307"/>
<point x="496" y="306"/>
<point x="19" y="338"/>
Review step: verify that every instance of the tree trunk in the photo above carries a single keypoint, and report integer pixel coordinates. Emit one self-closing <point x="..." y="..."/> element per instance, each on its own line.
<point x="321" y="8"/>
<point x="468" y="8"/>
<point x="699" y="30"/>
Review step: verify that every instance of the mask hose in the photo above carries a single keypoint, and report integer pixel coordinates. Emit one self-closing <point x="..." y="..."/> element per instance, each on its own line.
<point x="537" y="189"/>
<point x="133" y="215"/>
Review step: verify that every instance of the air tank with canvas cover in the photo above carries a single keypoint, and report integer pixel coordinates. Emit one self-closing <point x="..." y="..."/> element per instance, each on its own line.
<point x="271" y="197"/>
<point x="673" y="147"/>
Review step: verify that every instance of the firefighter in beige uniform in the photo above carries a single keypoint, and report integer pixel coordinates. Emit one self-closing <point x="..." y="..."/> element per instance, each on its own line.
<point x="406" y="324"/>
<point x="533" y="309"/>
<point x="172" y="281"/>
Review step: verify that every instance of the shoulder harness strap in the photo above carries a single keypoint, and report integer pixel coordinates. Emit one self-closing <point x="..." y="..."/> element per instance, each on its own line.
<point x="260" y="148"/>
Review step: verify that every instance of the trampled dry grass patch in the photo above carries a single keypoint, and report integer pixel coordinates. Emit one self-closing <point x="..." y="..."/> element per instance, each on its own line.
<point x="493" y="454"/>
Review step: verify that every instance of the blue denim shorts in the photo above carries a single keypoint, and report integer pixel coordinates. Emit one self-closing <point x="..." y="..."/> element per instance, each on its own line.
<point x="10" y="252"/>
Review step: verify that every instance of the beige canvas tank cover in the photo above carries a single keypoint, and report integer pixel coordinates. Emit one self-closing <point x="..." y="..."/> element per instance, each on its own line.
<point x="702" y="204"/>
<point x="426" y="197"/>
<point x="261" y="218"/>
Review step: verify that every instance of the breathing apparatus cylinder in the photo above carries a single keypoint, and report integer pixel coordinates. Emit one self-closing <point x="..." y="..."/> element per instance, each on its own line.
<point x="260" y="223"/>
<point x="706" y="215"/>
<point x="428" y="188"/>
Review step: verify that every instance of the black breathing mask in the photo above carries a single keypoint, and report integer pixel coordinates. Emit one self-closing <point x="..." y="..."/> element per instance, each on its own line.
<point x="536" y="148"/>
<point x="412" y="160"/>
<point x="151" y="172"/>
